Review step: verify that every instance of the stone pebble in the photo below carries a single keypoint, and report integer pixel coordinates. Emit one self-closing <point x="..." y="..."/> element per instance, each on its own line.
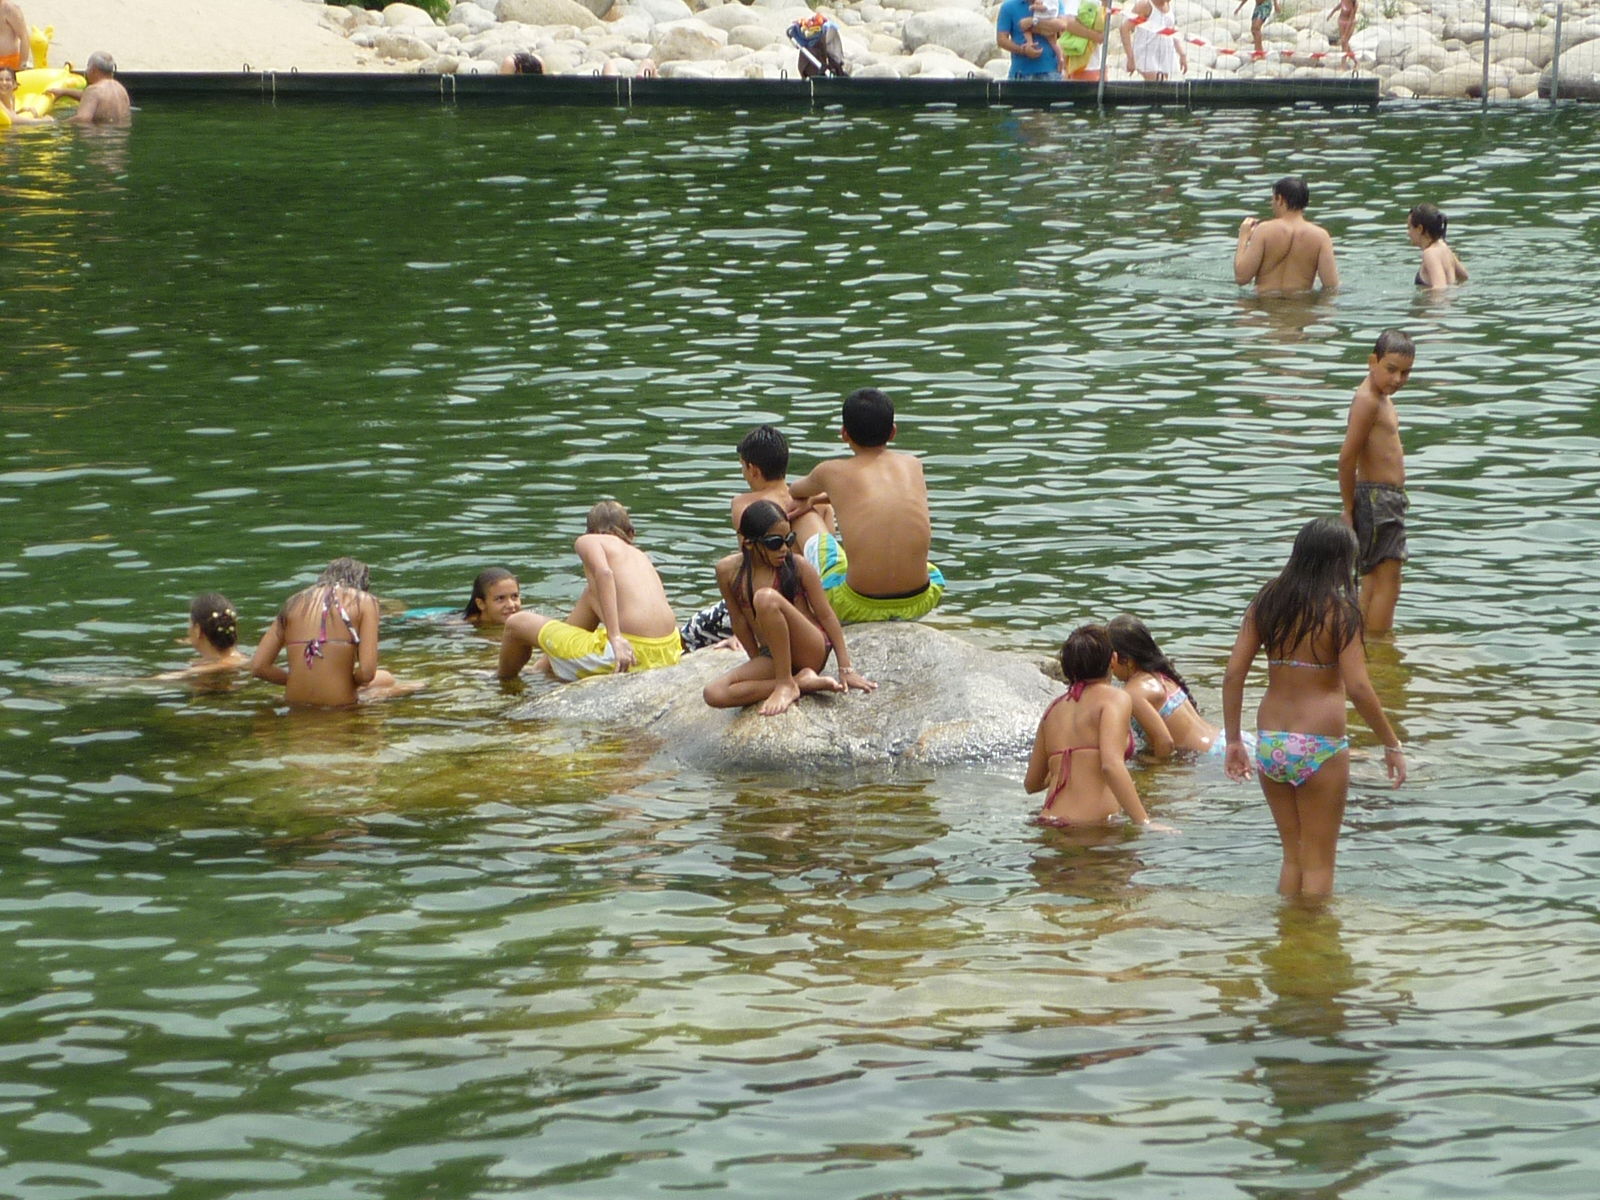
<point x="1414" y="50"/>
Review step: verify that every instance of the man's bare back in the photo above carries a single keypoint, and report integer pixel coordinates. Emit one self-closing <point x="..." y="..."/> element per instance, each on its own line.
<point x="880" y="500"/>
<point x="1284" y="254"/>
<point x="103" y="103"/>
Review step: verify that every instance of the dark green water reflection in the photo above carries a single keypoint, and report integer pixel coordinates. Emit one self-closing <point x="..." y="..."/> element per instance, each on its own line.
<point x="419" y="950"/>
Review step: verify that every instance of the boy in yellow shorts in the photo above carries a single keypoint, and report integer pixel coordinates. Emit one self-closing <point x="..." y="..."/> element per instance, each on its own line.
<point x="622" y="593"/>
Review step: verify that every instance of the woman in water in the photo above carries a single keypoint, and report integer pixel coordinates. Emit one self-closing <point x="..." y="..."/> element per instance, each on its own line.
<point x="495" y="596"/>
<point x="1309" y="622"/>
<point x="214" y="635"/>
<point x="1078" y="751"/>
<point x="330" y="631"/>
<point x="781" y="617"/>
<point x="1162" y="703"/>
<point x="1425" y="226"/>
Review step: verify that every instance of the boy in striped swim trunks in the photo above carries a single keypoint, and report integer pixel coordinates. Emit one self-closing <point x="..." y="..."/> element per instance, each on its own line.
<point x="880" y="501"/>
<point x="621" y="622"/>
<point x="1372" y="478"/>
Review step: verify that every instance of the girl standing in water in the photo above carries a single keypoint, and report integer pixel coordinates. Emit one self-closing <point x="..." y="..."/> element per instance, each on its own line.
<point x="1309" y="622"/>
<point x="330" y="631"/>
<point x="1425" y="226"/>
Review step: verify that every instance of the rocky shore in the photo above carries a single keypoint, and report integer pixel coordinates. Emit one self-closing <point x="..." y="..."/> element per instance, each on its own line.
<point x="1414" y="50"/>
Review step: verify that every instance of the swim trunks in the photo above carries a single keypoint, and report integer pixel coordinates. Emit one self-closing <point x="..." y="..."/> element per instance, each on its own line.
<point x="1263" y="12"/>
<point x="826" y="553"/>
<point x="577" y="653"/>
<point x="852" y="608"/>
<point x="1288" y="757"/>
<point x="1380" y="521"/>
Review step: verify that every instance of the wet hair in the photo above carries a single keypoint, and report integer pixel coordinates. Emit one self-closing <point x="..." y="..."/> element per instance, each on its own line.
<point x="1296" y="195"/>
<point x="1086" y="654"/>
<point x="342" y="572"/>
<point x="868" y="417"/>
<point x="1430" y="220"/>
<point x="1313" y="599"/>
<point x="214" y="614"/>
<point x="1393" y="341"/>
<point x="767" y="450"/>
<point x="1131" y="639"/>
<point x="526" y="63"/>
<point x="753" y="523"/>
<point x="610" y="517"/>
<point x="100" y="60"/>
<point x="486" y="579"/>
<point x="7" y="69"/>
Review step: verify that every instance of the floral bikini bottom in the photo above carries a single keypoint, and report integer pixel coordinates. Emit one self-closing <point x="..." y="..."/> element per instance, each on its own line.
<point x="1288" y="757"/>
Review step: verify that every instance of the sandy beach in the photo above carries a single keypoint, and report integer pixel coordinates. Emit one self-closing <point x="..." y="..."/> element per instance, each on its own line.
<point x="199" y="35"/>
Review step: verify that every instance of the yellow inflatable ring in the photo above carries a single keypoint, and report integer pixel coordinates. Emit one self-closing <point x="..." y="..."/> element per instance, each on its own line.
<point x="33" y="84"/>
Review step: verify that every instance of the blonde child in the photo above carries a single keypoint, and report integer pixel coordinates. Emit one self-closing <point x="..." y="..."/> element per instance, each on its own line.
<point x="781" y="617"/>
<point x="1080" y="748"/>
<point x="330" y="633"/>
<point x="1309" y="623"/>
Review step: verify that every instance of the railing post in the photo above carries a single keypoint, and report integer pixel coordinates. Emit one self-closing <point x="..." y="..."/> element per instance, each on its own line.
<point x="1486" y="4"/>
<point x="1555" y="60"/>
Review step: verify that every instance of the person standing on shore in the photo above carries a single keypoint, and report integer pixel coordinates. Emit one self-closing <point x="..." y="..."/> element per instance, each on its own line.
<point x="16" y="51"/>
<point x="1286" y="252"/>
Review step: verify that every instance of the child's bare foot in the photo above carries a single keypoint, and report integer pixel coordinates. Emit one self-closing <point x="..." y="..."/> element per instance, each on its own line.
<point x="783" y="695"/>
<point x="810" y="681"/>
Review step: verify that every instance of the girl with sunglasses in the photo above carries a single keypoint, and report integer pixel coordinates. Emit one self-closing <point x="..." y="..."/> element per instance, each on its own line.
<point x="781" y="617"/>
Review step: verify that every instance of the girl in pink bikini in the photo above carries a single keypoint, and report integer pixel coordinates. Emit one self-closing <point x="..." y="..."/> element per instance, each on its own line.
<point x="1079" y="750"/>
<point x="330" y="633"/>
<point x="1309" y="622"/>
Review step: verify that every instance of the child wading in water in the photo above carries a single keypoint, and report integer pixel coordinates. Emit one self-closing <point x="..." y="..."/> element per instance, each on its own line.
<point x="1162" y="703"/>
<point x="781" y="617"/>
<point x="330" y="631"/>
<point x="496" y="598"/>
<point x="1309" y="623"/>
<point x="1372" y="478"/>
<point x="1080" y="749"/>
<point x="214" y="634"/>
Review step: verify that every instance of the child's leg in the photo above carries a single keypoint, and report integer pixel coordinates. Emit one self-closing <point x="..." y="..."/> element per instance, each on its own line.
<point x="745" y="684"/>
<point x="1320" y="803"/>
<point x="1286" y="816"/>
<point x="518" y="642"/>
<point x="1255" y="32"/>
<point x="796" y="645"/>
<point x="1380" y="592"/>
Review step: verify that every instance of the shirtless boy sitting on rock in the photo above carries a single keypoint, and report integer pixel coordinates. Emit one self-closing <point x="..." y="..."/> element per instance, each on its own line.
<point x="880" y="502"/>
<point x="1286" y="252"/>
<point x="621" y="622"/>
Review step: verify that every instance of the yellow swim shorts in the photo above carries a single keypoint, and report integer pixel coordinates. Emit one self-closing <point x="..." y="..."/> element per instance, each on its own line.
<point x="852" y="608"/>
<point x="576" y="653"/>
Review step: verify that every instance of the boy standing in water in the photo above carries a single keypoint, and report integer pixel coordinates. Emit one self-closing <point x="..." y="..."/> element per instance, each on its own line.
<point x="621" y="621"/>
<point x="1372" y="478"/>
<point x="880" y="500"/>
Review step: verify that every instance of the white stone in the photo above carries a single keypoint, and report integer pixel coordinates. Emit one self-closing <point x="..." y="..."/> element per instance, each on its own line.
<point x="442" y="64"/>
<point x="686" y="69"/>
<point x="402" y="45"/>
<point x="477" y="66"/>
<point x="633" y="26"/>
<point x="751" y="37"/>
<point x="397" y="16"/>
<point x="686" y="41"/>
<point x="474" y="16"/>
<point x="660" y="11"/>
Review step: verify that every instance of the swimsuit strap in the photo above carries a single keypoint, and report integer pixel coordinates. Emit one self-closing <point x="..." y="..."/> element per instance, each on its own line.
<point x="330" y="600"/>
<point x="1294" y="662"/>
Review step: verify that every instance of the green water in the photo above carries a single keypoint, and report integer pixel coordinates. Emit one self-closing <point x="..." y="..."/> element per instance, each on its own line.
<point x="422" y="950"/>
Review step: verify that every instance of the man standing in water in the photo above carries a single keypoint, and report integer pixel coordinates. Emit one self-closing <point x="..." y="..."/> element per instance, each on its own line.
<point x="104" y="101"/>
<point x="1286" y="252"/>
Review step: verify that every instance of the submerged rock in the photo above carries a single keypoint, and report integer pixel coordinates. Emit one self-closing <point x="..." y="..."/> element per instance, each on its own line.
<point x="940" y="700"/>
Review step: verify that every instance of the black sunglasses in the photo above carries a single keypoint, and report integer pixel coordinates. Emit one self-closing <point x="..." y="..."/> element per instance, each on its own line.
<point x="775" y="541"/>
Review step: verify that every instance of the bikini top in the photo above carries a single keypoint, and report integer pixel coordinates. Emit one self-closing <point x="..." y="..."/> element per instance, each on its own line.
<point x="1294" y="662"/>
<point x="313" y="646"/>
<point x="1075" y="692"/>
<point x="1173" y="702"/>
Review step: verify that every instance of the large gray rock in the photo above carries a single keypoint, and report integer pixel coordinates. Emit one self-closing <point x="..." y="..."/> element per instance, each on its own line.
<point x="940" y="700"/>
<point x="1580" y="73"/>
<point x="966" y="34"/>
<point x="547" y="12"/>
<point x="687" y="41"/>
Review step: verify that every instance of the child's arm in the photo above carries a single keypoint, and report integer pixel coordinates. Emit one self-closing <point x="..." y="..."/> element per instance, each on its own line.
<point x="1151" y="721"/>
<point x="817" y="598"/>
<point x="1358" y="686"/>
<point x="1334" y="9"/>
<point x="1245" y="647"/>
<point x="603" y="580"/>
<point x="367" y="630"/>
<point x="1363" y="411"/>
<point x="264" y="662"/>
<point x="1114" y="716"/>
<point x="727" y="572"/>
<point x="1039" y="759"/>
